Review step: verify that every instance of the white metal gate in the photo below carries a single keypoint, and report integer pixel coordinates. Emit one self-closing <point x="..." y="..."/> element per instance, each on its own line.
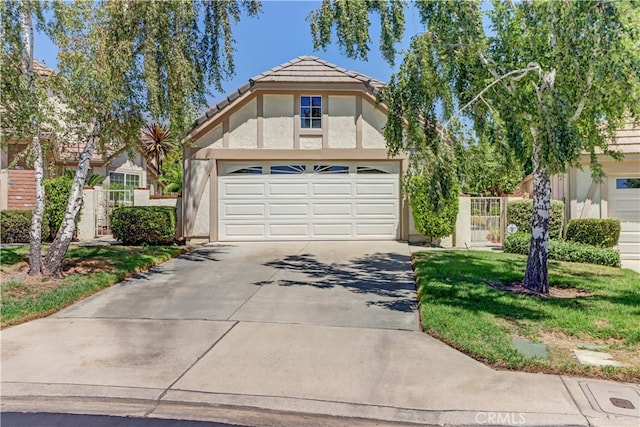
<point x="105" y="201"/>
<point x="487" y="220"/>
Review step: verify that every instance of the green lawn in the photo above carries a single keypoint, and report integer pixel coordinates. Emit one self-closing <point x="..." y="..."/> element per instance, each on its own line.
<point x="88" y="270"/>
<point x="458" y="306"/>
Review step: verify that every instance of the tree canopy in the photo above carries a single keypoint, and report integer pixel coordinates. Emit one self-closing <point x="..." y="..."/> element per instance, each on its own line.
<point x="120" y="64"/>
<point x="552" y="79"/>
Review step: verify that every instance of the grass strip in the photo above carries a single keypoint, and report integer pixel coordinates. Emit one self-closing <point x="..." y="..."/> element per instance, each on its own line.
<point x="595" y="304"/>
<point x="88" y="270"/>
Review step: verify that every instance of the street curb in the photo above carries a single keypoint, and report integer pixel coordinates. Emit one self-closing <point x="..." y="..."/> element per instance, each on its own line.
<point x="274" y="411"/>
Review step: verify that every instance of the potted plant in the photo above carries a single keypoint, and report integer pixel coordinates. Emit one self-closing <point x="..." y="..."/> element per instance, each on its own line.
<point x="494" y="233"/>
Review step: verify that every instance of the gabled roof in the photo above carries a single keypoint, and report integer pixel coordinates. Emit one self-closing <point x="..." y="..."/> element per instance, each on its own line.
<point x="301" y="70"/>
<point x="310" y="69"/>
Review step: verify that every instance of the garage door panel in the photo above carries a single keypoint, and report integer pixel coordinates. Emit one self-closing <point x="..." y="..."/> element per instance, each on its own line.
<point x="280" y="210"/>
<point x="375" y="229"/>
<point x="331" y="230"/>
<point x="242" y="210"/>
<point x="624" y="204"/>
<point x="245" y="230"/>
<point x="627" y="251"/>
<point x="376" y="209"/>
<point x="332" y="189"/>
<point x="331" y="209"/>
<point x="377" y="189"/>
<point x="288" y="189"/>
<point x="629" y="227"/>
<point x="243" y="189"/>
<point x="288" y="230"/>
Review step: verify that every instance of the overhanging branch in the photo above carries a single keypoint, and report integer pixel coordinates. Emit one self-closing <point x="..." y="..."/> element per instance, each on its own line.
<point x="532" y="66"/>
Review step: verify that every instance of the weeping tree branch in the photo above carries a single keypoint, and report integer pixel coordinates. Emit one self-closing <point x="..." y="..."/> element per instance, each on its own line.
<point x="585" y="97"/>
<point x="523" y="72"/>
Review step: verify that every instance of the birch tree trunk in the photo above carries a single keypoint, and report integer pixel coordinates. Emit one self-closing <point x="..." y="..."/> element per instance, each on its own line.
<point x="35" y="232"/>
<point x="535" y="277"/>
<point x="60" y="245"/>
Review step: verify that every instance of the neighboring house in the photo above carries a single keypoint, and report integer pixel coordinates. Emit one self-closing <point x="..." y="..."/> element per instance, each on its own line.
<point x="617" y="196"/>
<point x="297" y="153"/>
<point x="17" y="184"/>
<point x="17" y="179"/>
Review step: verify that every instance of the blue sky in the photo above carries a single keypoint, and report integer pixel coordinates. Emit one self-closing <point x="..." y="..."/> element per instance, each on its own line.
<point x="280" y="33"/>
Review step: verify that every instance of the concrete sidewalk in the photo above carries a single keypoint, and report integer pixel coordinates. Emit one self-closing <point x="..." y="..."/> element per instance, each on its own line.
<point x="123" y="352"/>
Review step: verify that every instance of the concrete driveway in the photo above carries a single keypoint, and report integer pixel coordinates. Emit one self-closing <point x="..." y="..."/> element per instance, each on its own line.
<point x="274" y="334"/>
<point x="352" y="284"/>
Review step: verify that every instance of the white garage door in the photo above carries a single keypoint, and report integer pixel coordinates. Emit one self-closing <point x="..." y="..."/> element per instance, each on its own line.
<point x="624" y="204"/>
<point x="320" y="200"/>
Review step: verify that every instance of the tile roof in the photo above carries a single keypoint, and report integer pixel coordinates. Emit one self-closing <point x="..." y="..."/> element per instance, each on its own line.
<point x="301" y="70"/>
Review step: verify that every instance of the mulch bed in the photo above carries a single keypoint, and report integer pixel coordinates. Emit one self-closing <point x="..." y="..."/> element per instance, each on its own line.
<point x="554" y="292"/>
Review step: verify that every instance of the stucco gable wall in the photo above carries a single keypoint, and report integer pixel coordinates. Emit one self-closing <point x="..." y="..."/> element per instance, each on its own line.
<point x="212" y="139"/>
<point x="342" y="121"/>
<point x="278" y="113"/>
<point x="266" y="120"/>
<point x="243" y="126"/>
<point x="122" y="163"/>
<point x="374" y="121"/>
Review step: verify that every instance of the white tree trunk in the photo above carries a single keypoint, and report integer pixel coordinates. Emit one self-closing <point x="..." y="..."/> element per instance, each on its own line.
<point x="536" y="277"/>
<point x="35" y="233"/>
<point x="60" y="245"/>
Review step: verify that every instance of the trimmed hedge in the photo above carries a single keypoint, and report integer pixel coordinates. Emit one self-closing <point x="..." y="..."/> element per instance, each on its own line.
<point x="561" y="250"/>
<point x="16" y="224"/>
<point x="137" y="225"/>
<point x="603" y="233"/>
<point x="520" y="213"/>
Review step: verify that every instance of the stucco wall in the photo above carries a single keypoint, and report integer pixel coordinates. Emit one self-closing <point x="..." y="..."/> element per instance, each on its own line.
<point x="342" y="122"/>
<point x="278" y="121"/>
<point x="124" y="164"/>
<point x="373" y="122"/>
<point x="311" y="142"/>
<point x="197" y="211"/>
<point x="212" y="139"/>
<point x="243" y="126"/>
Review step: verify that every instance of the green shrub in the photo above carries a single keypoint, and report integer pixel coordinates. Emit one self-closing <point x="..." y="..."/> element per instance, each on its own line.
<point x="603" y="233"/>
<point x="561" y="250"/>
<point x="151" y="225"/>
<point x="433" y="218"/>
<point x="15" y="226"/>
<point x="517" y="243"/>
<point x="520" y="213"/>
<point x="57" y="192"/>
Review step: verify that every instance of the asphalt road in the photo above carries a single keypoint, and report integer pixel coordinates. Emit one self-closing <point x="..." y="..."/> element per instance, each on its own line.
<point x="43" y="419"/>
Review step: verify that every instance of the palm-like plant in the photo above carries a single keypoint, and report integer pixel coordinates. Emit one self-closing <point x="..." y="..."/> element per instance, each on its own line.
<point x="171" y="178"/>
<point x="158" y="142"/>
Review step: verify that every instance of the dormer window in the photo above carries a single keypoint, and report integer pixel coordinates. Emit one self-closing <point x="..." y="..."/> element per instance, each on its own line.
<point x="311" y="112"/>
